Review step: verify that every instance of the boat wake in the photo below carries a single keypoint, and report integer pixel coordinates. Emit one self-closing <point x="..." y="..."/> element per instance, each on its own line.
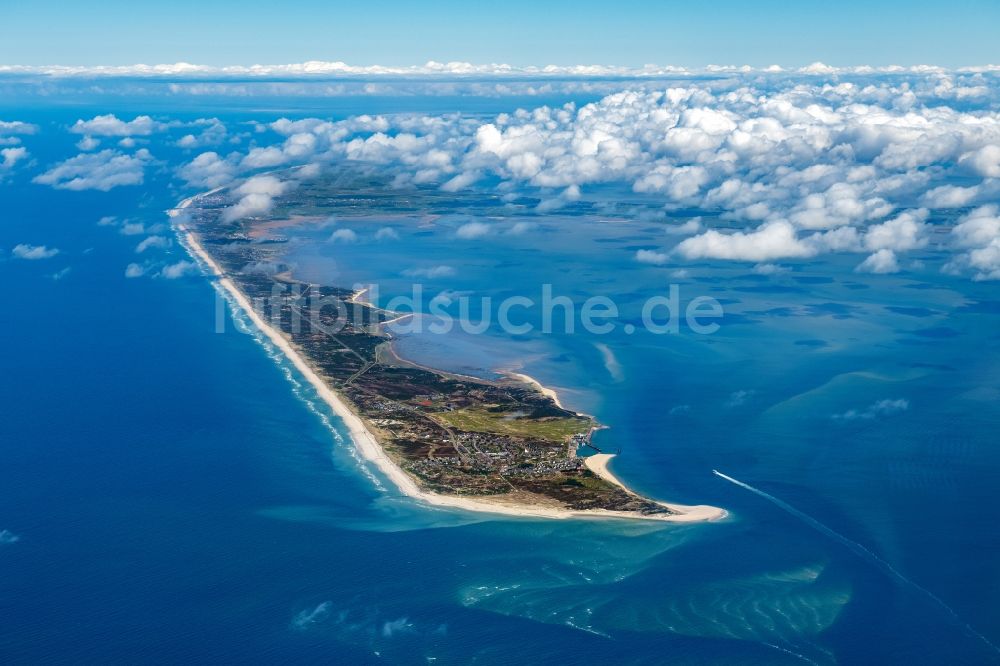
<point x="864" y="553"/>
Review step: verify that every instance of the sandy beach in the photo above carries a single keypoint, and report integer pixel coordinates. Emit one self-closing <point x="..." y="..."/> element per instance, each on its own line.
<point x="544" y="390"/>
<point x="368" y="445"/>
<point x="598" y="464"/>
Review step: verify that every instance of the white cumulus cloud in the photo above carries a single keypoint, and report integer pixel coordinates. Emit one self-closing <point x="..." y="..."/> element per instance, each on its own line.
<point x="908" y="231"/>
<point x="877" y="409"/>
<point x="88" y="143"/>
<point x="134" y="270"/>
<point x="256" y="197"/>
<point x="152" y="242"/>
<point x="430" y="272"/>
<point x="17" y="127"/>
<point x="343" y="236"/>
<point x="775" y="240"/>
<point x="32" y="252"/>
<point x="97" y="171"/>
<point x="208" y="170"/>
<point x="881" y="262"/>
<point x="472" y="230"/>
<point x="651" y="257"/>
<point x="178" y="270"/>
<point x="977" y="239"/>
<point x="110" y="125"/>
<point x="9" y="157"/>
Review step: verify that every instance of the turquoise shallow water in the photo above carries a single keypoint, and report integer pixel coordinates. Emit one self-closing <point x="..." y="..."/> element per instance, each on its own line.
<point x="178" y="494"/>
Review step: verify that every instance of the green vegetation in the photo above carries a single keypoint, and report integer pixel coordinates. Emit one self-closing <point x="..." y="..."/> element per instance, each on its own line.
<point x="481" y="419"/>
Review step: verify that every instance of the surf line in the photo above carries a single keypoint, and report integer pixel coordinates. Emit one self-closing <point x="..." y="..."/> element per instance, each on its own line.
<point x="861" y="551"/>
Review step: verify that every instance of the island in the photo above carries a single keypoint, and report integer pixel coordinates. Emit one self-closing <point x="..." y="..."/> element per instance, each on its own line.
<point x="505" y="446"/>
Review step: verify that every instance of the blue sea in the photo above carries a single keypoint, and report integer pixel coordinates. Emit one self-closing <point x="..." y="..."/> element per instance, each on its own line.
<point x="172" y="493"/>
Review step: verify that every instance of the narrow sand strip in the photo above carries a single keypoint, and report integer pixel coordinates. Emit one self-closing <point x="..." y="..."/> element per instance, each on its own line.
<point x="544" y="390"/>
<point x="598" y="464"/>
<point x="369" y="447"/>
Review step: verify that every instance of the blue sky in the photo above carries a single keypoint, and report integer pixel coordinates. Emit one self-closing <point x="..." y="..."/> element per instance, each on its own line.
<point x="518" y="32"/>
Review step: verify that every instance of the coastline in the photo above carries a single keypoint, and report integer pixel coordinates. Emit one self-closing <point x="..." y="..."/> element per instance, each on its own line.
<point x="397" y="360"/>
<point x="528" y="379"/>
<point x="598" y="464"/>
<point x="367" y="444"/>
